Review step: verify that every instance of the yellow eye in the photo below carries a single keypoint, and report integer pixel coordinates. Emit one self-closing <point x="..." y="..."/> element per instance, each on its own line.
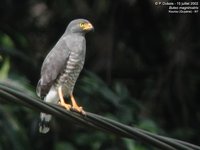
<point x="81" y="24"/>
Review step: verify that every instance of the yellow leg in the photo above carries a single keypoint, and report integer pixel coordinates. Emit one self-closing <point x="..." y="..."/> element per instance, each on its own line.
<point x="62" y="101"/>
<point x="75" y="105"/>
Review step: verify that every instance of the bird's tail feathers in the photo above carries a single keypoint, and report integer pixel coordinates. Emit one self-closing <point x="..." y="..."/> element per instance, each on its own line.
<point x="44" y="125"/>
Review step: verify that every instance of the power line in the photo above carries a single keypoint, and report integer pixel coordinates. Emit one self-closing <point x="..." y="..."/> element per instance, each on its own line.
<point x="9" y="94"/>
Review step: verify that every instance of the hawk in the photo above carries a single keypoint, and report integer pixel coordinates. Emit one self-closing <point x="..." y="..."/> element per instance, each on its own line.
<point x="61" y="69"/>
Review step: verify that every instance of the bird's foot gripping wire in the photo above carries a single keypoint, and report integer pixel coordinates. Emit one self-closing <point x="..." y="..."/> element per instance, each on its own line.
<point x="62" y="101"/>
<point x="75" y="105"/>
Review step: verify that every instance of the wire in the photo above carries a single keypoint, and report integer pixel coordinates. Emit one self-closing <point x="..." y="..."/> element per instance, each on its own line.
<point x="91" y="120"/>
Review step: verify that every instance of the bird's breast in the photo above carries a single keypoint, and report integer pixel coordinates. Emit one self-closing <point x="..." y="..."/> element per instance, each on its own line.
<point x="71" y="72"/>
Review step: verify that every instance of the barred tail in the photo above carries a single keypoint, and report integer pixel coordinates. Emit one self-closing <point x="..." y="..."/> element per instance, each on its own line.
<point x="44" y="125"/>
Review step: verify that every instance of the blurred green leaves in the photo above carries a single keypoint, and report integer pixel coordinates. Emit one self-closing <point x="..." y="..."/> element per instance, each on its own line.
<point x="5" y="67"/>
<point x="64" y="146"/>
<point x="93" y="85"/>
<point x="132" y="145"/>
<point x="6" y="41"/>
<point x="13" y="133"/>
<point x="149" y="125"/>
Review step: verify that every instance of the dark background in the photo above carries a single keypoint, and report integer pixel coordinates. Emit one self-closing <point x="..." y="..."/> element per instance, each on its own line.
<point x="142" y="68"/>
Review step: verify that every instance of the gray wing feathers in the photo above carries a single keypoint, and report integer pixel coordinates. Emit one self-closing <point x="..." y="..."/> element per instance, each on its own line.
<point x="52" y="66"/>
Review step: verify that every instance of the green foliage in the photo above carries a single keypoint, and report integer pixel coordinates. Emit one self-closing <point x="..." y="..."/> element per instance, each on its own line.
<point x="13" y="132"/>
<point x="6" y="41"/>
<point x="132" y="145"/>
<point x="64" y="146"/>
<point x="4" y="70"/>
<point x="149" y="125"/>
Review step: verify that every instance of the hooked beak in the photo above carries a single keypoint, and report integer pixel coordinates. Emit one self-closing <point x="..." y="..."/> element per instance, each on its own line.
<point x="88" y="27"/>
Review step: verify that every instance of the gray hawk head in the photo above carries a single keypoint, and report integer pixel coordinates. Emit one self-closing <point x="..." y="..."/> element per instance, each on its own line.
<point x="79" y="26"/>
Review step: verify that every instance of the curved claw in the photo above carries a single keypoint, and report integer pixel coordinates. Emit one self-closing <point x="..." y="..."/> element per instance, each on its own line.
<point x="65" y="105"/>
<point x="75" y="106"/>
<point x="79" y="109"/>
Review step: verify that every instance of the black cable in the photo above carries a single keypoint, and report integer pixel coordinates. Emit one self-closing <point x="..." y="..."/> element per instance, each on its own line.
<point x="95" y="121"/>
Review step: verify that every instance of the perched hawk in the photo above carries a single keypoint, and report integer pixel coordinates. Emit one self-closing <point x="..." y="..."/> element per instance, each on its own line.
<point x="61" y="69"/>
